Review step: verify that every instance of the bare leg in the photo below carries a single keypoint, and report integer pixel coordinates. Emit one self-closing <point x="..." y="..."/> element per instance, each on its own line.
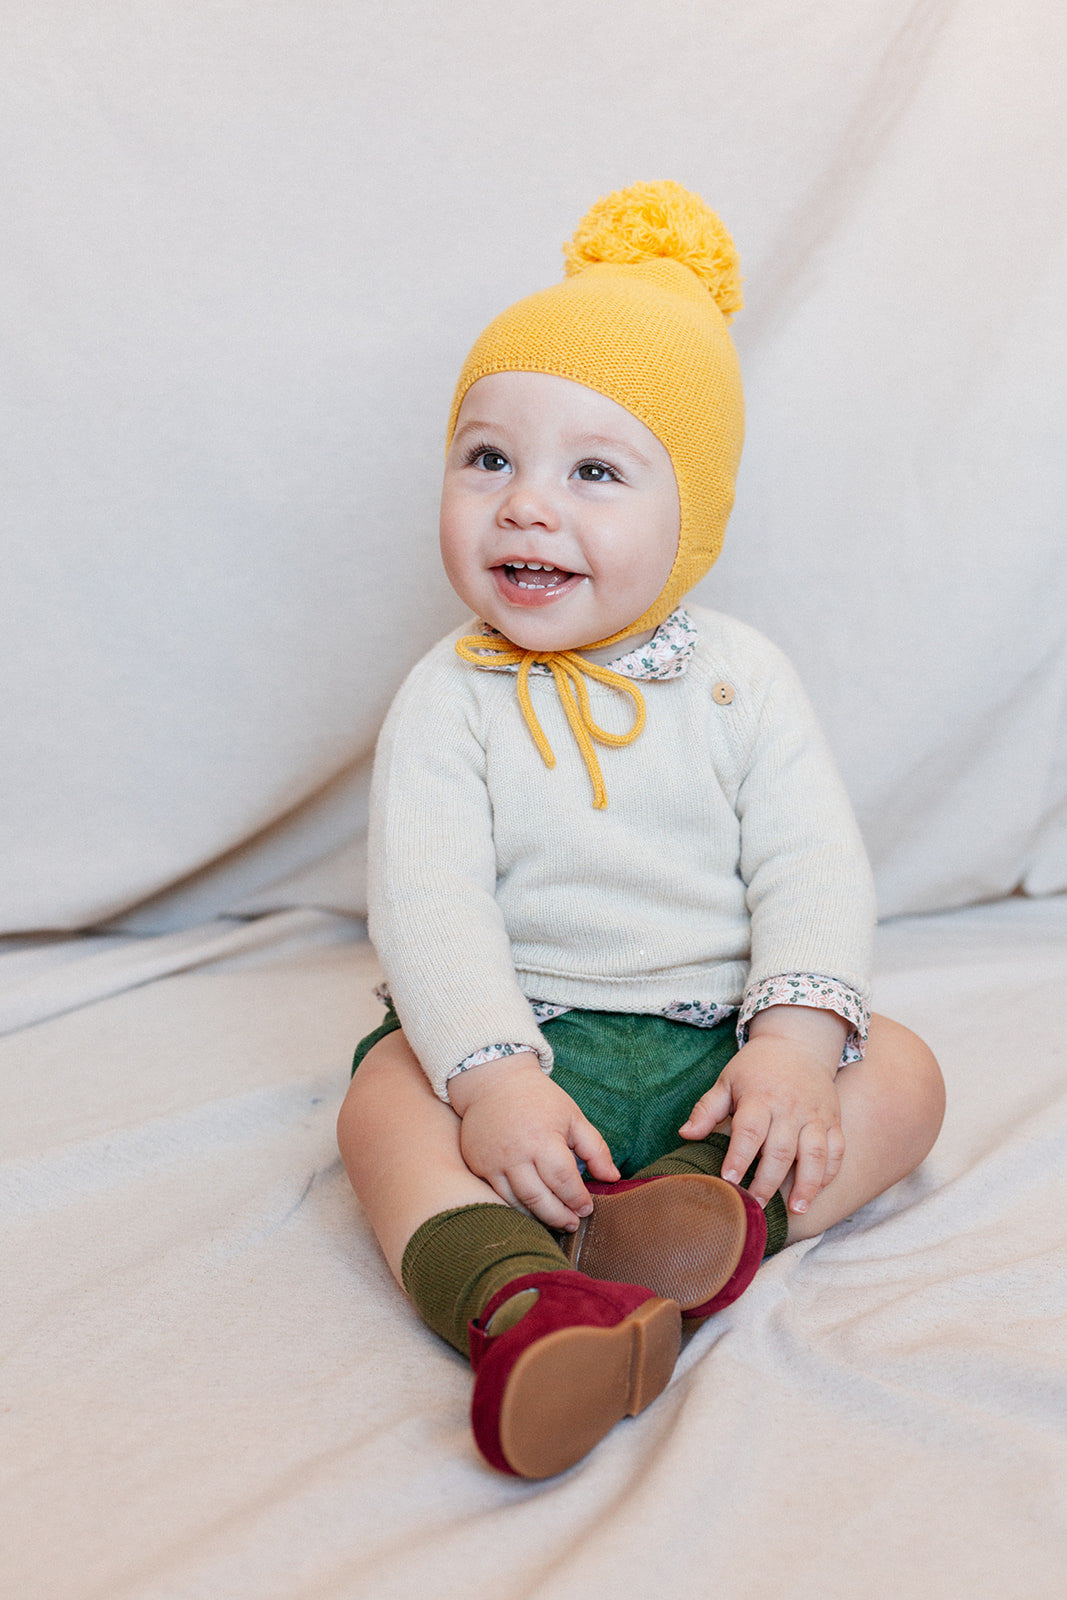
<point x="400" y="1144"/>
<point x="400" y="1147"/>
<point x="892" y="1105"/>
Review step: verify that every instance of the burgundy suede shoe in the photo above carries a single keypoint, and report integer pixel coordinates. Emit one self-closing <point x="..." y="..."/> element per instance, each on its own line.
<point x="694" y="1239"/>
<point x="582" y="1357"/>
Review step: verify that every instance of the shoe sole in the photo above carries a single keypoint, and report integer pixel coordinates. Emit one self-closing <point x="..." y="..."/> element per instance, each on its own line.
<point x="682" y="1237"/>
<point x="570" y="1388"/>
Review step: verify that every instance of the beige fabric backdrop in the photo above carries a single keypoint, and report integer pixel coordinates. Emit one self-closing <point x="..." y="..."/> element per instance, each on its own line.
<point x="246" y="249"/>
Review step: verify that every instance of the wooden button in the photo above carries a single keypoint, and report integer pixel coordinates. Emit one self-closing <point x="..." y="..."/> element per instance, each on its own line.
<point x="723" y="693"/>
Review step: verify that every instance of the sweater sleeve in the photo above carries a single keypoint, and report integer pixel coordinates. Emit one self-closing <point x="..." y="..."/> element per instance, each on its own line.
<point x="434" y="918"/>
<point x="808" y="885"/>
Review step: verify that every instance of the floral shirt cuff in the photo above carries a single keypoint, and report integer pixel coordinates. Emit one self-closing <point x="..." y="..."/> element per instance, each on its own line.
<point x="810" y="989"/>
<point x="543" y="1012"/>
<point x="494" y="1052"/>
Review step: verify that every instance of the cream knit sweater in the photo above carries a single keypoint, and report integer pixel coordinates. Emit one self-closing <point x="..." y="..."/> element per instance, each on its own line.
<point x="728" y="852"/>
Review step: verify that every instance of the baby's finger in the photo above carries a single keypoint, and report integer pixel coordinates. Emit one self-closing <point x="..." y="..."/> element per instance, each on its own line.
<point x="590" y="1146"/>
<point x="499" y="1182"/>
<point x="530" y="1193"/>
<point x="835" y="1146"/>
<point x="711" y="1109"/>
<point x="812" y="1151"/>
<point x="747" y="1132"/>
<point x="779" y="1153"/>
<point x="559" y="1173"/>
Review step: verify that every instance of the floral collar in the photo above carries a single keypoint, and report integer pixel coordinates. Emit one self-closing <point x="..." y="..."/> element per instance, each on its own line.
<point x="666" y="655"/>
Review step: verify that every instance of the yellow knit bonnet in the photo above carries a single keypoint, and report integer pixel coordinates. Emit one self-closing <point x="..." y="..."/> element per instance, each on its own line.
<point x="641" y="316"/>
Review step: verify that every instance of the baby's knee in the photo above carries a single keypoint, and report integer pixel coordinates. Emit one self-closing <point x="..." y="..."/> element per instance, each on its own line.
<point x="388" y="1089"/>
<point x="368" y="1089"/>
<point x="918" y="1089"/>
<point x="928" y="1087"/>
<point x="350" y="1120"/>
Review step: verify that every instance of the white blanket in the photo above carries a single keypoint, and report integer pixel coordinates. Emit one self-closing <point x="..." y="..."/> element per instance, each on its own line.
<point x="213" y="1389"/>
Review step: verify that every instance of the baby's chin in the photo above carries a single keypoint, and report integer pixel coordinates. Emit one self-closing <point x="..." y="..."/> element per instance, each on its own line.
<point x="555" y="618"/>
<point x="542" y="633"/>
<point x="544" y="642"/>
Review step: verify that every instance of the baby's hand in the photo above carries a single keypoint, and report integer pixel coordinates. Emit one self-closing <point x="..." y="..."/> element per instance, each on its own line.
<point x="521" y="1133"/>
<point x="780" y="1094"/>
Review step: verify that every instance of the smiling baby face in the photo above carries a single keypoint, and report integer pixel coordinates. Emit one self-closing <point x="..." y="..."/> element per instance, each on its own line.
<point x="559" y="511"/>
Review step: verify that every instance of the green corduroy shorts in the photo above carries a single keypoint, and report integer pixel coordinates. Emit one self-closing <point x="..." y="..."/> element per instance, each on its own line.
<point x="635" y="1077"/>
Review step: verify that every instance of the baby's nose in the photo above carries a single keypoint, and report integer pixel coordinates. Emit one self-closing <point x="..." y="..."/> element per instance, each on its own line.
<point x="530" y="506"/>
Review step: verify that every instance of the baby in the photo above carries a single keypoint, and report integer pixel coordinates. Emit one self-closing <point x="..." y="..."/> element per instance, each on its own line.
<point x="617" y="890"/>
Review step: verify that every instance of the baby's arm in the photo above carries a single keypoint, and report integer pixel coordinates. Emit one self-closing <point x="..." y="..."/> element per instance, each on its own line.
<point x="780" y="1095"/>
<point x="432" y="869"/>
<point x="810" y="899"/>
<point x="446" y="952"/>
<point x="521" y="1133"/>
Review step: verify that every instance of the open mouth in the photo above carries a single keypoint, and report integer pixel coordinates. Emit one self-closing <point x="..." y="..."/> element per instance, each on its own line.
<point x="535" y="575"/>
<point x="534" y="583"/>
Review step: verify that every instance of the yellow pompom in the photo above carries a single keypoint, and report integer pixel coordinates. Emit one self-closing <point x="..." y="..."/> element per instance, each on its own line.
<point x="660" y="219"/>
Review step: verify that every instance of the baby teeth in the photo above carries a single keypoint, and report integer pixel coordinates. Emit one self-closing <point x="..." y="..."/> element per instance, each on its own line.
<point x="515" y="567"/>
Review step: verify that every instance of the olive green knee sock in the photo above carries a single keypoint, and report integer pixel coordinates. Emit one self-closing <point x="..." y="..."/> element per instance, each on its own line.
<point x="455" y="1262"/>
<point x="707" y="1156"/>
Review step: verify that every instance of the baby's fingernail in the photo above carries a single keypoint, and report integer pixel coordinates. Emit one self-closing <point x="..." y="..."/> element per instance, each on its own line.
<point x="685" y="1126"/>
<point x="731" y="1174"/>
<point x="586" y="1211"/>
<point x="800" y="1205"/>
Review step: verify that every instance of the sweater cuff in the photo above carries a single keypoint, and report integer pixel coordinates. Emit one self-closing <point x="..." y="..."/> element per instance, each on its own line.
<point x="810" y="989"/>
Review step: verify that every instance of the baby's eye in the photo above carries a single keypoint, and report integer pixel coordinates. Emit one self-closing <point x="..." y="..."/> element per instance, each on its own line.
<point x="595" y="472"/>
<point x="490" y="460"/>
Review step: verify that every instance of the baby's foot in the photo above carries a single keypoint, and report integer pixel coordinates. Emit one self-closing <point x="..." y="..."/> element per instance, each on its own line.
<point x="694" y="1239"/>
<point x="559" y="1360"/>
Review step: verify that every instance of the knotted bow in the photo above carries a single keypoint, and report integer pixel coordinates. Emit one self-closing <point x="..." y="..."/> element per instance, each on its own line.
<point x="569" y="669"/>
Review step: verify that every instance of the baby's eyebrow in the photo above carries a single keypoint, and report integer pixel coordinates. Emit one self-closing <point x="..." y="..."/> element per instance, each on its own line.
<point x="600" y="441"/>
<point x="474" y="426"/>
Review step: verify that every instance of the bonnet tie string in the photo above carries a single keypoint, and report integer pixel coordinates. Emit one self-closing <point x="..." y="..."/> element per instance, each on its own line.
<point x="569" y="670"/>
